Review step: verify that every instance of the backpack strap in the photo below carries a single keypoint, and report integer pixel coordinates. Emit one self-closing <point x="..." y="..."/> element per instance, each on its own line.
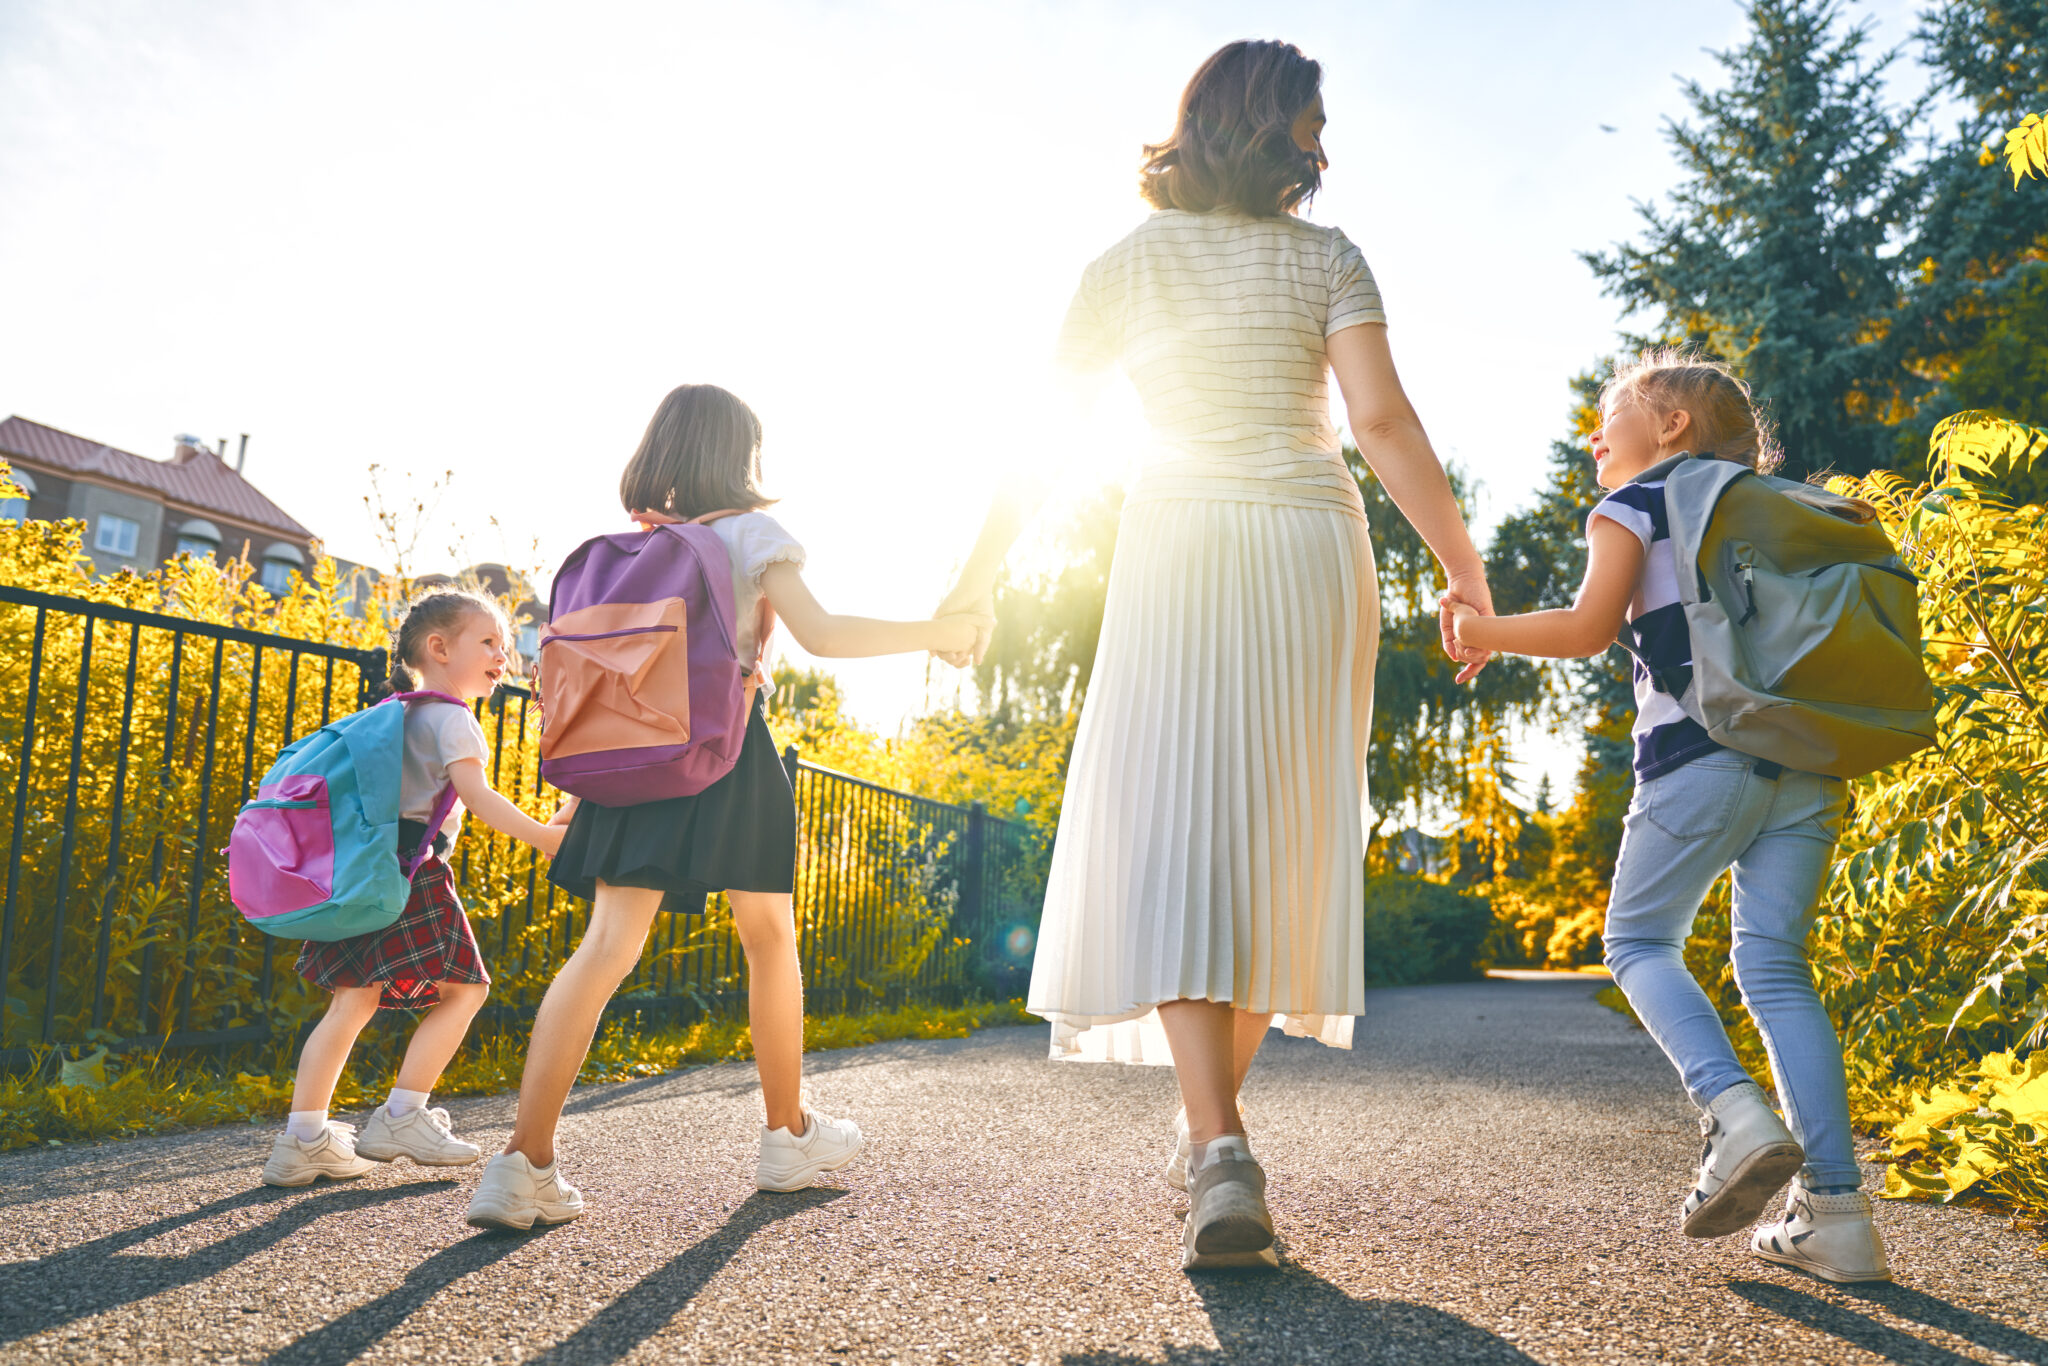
<point x="764" y="616"/>
<point x="444" y="803"/>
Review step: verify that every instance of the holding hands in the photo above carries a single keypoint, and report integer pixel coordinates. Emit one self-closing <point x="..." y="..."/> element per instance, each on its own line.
<point x="969" y="604"/>
<point x="1466" y="597"/>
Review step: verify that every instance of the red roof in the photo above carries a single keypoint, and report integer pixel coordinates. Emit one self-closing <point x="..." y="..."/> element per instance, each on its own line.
<point x="201" y="480"/>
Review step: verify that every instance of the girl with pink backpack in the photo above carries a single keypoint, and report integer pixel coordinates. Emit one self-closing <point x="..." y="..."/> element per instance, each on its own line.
<point x="449" y="650"/>
<point x="652" y="716"/>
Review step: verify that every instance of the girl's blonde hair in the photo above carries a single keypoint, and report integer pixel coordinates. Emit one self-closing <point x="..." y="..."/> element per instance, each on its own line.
<point x="439" y="609"/>
<point x="1725" y="422"/>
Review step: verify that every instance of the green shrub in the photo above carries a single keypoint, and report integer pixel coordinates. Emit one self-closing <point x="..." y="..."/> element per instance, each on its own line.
<point x="1422" y="931"/>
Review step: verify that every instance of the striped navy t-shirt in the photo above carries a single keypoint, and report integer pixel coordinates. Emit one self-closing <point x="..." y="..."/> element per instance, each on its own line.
<point x="1665" y="736"/>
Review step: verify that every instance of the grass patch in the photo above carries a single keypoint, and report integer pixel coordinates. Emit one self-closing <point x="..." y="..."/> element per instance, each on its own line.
<point x="154" y="1095"/>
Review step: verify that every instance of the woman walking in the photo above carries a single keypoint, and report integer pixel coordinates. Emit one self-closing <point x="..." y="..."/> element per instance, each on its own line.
<point x="1208" y="878"/>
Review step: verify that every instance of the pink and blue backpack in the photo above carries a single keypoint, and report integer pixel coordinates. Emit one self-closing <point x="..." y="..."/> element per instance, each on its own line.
<point x="643" y="694"/>
<point x="315" y="855"/>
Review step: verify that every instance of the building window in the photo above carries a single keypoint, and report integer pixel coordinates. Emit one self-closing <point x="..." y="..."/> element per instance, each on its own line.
<point x="276" y="577"/>
<point x="116" y="535"/>
<point x="16" y="509"/>
<point x="198" y="537"/>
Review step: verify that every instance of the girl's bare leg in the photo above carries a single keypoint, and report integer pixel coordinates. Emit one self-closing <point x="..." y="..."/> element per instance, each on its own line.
<point x="328" y="1046"/>
<point x="568" y="1015"/>
<point x="437" y="1037"/>
<point x="775" y="1002"/>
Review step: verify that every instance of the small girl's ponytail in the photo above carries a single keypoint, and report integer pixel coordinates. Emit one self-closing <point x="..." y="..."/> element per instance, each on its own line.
<point x="1725" y="420"/>
<point x="440" y="609"/>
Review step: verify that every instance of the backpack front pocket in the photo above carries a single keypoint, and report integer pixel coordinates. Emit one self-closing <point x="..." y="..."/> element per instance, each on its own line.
<point x="281" y="851"/>
<point x="1851" y="636"/>
<point x="617" y="677"/>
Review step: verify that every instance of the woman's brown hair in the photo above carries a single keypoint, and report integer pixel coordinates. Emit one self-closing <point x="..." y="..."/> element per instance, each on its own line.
<point x="701" y="453"/>
<point x="1725" y="420"/>
<point x="1233" y="140"/>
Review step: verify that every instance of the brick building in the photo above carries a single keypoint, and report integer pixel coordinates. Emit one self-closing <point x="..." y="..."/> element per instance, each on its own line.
<point x="141" y="512"/>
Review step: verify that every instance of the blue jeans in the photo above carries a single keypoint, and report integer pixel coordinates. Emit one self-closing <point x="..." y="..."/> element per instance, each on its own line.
<point x="1683" y="831"/>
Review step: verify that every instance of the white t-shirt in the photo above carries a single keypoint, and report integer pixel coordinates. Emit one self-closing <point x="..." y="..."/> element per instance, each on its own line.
<point x="753" y="541"/>
<point x="436" y="735"/>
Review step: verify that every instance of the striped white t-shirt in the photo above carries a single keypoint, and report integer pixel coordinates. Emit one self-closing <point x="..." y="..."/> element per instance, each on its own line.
<point x="1220" y="321"/>
<point x="1665" y="737"/>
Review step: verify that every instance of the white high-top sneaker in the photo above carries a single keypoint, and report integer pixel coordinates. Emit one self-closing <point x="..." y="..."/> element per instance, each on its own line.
<point x="297" y="1162"/>
<point x="516" y="1194"/>
<point x="1833" y="1237"/>
<point x="1749" y="1156"/>
<point x="789" y="1162"/>
<point x="422" y="1135"/>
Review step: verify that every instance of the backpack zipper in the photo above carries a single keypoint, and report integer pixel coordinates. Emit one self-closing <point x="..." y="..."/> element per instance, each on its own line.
<point x="607" y="635"/>
<point x="1747" y="573"/>
<point x="1905" y="574"/>
<point x="283" y="804"/>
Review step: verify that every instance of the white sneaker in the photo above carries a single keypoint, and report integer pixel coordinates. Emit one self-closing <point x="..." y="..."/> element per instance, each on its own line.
<point x="1833" y="1237"/>
<point x="296" y="1162"/>
<point x="421" y="1135"/>
<point x="1749" y="1156"/>
<point x="789" y="1162"/>
<point x="516" y="1194"/>
<point x="1177" y="1165"/>
<point x="1228" y="1223"/>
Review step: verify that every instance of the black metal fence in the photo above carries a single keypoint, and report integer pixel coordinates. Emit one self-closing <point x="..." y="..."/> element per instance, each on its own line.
<point x="129" y="739"/>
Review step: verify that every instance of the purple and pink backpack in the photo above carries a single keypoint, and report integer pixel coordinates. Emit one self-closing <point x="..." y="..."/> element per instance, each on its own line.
<point x="643" y="694"/>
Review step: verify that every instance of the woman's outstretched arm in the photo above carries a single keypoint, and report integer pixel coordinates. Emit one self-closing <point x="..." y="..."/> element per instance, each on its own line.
<point x="1393" y="444"/>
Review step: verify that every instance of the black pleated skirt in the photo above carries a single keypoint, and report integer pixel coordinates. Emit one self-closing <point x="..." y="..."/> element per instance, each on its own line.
<point x="739" y="834"/>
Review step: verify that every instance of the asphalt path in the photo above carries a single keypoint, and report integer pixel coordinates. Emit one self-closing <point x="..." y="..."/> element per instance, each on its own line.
<point x="1492" y="1175"/>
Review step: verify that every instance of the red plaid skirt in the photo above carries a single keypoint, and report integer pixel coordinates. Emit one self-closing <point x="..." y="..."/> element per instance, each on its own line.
<point x="430" y="943"/>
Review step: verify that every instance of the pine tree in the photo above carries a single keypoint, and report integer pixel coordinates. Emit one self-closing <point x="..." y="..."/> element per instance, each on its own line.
<point x="1976" y="316"/>
<point x="1779" y="251"/>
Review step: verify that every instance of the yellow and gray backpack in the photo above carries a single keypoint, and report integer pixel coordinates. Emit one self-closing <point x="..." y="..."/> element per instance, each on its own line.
<point x="1805" y="624"/>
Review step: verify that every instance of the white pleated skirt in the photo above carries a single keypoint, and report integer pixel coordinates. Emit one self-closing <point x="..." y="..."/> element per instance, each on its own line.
<point x="1212" y="840"/>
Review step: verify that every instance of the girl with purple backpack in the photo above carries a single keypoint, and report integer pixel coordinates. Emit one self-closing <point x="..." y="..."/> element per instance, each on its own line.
<point x="700" y="456"/>
<point x="454" y="644"/>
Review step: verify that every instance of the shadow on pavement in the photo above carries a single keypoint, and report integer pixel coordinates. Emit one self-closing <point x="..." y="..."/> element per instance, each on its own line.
<point x="1287" y="1315"/>
<point x="361" y="1328"/>
<point x="647" y="1308"/>
<point x="1908" y="1303"/>
<point x="90" y="1279"/>
<point x="1863" y="1331"/>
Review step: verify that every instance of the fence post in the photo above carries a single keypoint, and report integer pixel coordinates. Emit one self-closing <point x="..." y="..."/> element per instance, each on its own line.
<point x="371" y="677"/>
<point x="974" y="878"/>
<point x="789" y="763"/>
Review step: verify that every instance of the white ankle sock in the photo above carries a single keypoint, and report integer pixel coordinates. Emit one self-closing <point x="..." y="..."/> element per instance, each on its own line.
<point x="306" y="1125"/>
<point x="404" y="1102"/>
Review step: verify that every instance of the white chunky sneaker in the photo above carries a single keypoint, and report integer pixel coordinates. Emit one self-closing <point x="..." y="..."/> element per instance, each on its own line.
<point x="1831" y="1236"/>
<point x="516" y="1194"/>
<point x="1748" y="1158"/>
<point x="1177" y="1165"/>
<point x="789" y="1162"/>
<point x="296" y="1162"/>
<point x="1227" y="1222"/>
<point x="421" y="1135"/>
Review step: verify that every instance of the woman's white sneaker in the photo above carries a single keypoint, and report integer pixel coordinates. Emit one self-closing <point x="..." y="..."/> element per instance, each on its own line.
<point x="1749" y="1156"/>
<point x="790" y="1162"/>
<point x="298" y="1162"/>
<point x="422" y="1135"/>
<point x="1227" y="1222"/>
<point x="1833" y="1237"/>
<point x="516" y="1194"/>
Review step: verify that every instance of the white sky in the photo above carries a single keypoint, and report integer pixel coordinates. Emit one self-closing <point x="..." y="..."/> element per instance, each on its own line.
<point x="487" y="237"/>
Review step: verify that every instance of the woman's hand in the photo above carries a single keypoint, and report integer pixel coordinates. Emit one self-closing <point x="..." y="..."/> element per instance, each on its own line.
<point x="960" y="633"/>
<point x="1467" y="596"/>
<point x="981" y="603"/>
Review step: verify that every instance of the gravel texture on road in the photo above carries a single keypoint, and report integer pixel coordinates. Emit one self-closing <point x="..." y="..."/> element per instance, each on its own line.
<point x="1493" y="1174"/>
